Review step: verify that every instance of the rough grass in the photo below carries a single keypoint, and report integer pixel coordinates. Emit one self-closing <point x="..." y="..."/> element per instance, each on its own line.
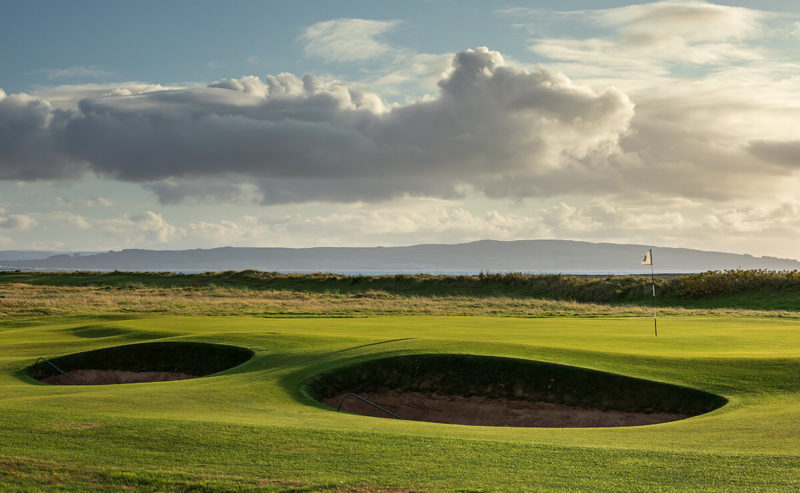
<point x="19" y="300"/>
<point x="749" y="289"/>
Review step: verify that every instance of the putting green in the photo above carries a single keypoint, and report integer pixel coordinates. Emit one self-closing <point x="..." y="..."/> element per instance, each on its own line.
<point x="254" y="427"/>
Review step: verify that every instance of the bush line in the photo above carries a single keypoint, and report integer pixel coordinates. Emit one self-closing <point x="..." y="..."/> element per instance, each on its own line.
<point x="609" y="289"/>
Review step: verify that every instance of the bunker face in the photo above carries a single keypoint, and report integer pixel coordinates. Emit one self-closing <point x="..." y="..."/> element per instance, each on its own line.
<point x="490" y="391"/>
<point x="149" y="362"/>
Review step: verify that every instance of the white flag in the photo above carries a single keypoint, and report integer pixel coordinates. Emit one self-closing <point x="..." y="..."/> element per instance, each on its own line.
<point x="648" y="258"/>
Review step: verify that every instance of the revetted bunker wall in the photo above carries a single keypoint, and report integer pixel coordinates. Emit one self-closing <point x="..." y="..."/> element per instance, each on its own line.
<point x="194" y="358"/>
<point x="509" y="378"/>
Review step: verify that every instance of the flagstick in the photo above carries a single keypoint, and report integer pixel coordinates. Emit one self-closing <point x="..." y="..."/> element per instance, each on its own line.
<point x="653" y="279"/>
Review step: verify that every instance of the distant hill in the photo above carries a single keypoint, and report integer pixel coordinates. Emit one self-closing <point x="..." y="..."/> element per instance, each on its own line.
<point x="11" y="255"/>
<point x="488" y="256"/>
<point x="24" y="254"/>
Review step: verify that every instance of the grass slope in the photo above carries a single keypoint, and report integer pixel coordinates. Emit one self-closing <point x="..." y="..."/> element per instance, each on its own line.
<point x="253" y="427"/>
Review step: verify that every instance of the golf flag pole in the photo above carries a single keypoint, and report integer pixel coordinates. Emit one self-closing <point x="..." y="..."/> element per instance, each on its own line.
<point x="648" y="260"/>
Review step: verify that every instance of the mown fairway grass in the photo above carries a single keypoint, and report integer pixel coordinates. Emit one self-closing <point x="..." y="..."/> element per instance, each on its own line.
<point x="253" y="427"/>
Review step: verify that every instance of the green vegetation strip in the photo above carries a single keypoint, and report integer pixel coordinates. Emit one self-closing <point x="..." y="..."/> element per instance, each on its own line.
<point x="750" y="289"/>
<point x="253" y="427"/>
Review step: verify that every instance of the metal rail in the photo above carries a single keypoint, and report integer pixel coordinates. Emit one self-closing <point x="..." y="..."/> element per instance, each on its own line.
<point x="368" y="402"/>
<point x="57" y="368"/>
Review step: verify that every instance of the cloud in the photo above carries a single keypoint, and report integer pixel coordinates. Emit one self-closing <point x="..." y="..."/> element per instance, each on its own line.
<point x="62" y="218"/>
<point x="410" y="76"/>
<point x="95" y="202"/>
<point x="655" y="37"/>
<point x="493" y="128"/>
<point x="740" y="227"/>
<point x="772" y="221"/>
<point x="144" y="229"/>
<point x="28" y="146"/>
<point x="76" y="72"/>
<point x="68" y="96"/>
<point x="689" y="20"/>
<point x="715" y="88"/>
<point x="20" y="222"/>
<point x="782" y="153"/>
<point x="136" y="229"/>
<point x="412" y="221"/>
<point x="399" y="73"/>
<point x="307" y="139"/>
<point x="77" y="221"/>
<point x="405" y="222"/>
<point x="171" y="191"/>
<point x="347" y="40"/>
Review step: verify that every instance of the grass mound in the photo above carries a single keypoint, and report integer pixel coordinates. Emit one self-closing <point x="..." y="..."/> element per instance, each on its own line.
<point x="192" y="358"/>
<point x="513" y="379"/>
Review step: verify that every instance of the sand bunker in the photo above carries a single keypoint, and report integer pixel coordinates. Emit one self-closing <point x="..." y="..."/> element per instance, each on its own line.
<point x="108" y="377"/>
<point x="482" y="411"/>
<point x="489" y="391"/>
<point x="135" y="363"/>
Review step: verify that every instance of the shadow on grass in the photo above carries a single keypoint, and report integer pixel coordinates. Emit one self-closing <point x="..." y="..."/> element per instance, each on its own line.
<point x="370" y="344"/>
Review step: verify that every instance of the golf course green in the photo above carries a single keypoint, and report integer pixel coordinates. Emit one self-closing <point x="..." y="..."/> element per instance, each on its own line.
<point x="256" y="427"/>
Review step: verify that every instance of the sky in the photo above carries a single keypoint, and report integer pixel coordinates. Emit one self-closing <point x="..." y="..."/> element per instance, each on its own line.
<point x="199" y="124"/>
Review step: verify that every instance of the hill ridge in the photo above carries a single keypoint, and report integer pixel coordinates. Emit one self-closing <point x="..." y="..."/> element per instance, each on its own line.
<point x="544" y="255"/>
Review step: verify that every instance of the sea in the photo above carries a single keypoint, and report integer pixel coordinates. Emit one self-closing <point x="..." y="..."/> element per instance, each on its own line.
<point x="591" y="273"/>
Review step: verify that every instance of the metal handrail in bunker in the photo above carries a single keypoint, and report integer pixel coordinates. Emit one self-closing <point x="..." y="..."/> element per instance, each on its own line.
<point x="57" y="368"/>
<point x="368" y="402"/>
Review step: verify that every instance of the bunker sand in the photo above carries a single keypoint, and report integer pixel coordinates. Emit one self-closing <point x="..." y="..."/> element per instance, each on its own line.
<point x="111" y="377"/>
<point x="482" y="411"/>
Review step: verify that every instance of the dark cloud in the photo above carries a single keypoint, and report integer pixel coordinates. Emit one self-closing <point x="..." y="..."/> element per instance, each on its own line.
<point x="175" y="192"/>
<point x="305" y="139"/>
<point x="785" y="154"/>
<point x="27" y="147"/>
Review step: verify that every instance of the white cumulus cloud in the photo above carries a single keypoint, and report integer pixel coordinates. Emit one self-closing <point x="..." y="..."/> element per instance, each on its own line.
<point x="491" y="126"/>
<point x="17" y="222"/>
<point x="139" y="229"/>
